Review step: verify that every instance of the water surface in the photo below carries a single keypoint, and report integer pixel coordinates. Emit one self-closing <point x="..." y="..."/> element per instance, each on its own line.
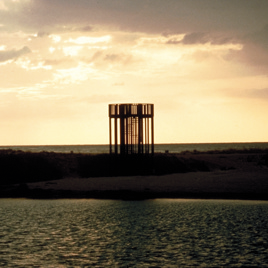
<point x="153" y="233"/>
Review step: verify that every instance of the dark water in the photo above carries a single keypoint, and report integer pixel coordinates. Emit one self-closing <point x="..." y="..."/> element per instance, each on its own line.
<point x="159" y="148"/>
<point x="153" y="233"/>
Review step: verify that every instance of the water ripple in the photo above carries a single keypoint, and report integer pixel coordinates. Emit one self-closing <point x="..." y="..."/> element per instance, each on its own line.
<point x="103" y="233"/>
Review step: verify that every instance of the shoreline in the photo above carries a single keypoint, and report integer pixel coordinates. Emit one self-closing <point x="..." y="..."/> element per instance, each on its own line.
<point x="230" y="184"/>
<point x="131" y="195"/>
<point x="134" y="196"/>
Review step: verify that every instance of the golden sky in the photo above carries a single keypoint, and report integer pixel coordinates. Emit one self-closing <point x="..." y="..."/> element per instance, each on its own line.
<point x="203" y="63"/>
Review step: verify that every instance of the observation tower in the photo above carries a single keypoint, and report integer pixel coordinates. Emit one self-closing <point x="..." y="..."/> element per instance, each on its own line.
<point x="131" y="128"/>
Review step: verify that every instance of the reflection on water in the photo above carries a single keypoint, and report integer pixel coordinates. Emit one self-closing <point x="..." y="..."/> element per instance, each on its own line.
<point x="101" y="233"/>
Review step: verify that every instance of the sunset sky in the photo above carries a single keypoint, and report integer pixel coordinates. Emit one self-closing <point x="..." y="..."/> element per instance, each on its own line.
<point x="203" y="63"/>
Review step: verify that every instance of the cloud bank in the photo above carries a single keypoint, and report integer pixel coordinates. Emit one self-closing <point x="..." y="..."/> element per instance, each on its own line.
<point x="201" y="62"/>
<point x="6" y="55"/>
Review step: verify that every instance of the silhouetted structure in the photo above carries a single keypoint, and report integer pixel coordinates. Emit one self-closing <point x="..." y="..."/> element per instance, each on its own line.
<point x="131" y="128"/>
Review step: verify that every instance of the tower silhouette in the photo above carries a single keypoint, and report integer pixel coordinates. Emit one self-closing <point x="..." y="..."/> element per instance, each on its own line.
<point x="131" y="128"/>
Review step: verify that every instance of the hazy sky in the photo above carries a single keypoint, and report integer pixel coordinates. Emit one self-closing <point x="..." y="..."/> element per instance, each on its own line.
<point x="203" y="63"/>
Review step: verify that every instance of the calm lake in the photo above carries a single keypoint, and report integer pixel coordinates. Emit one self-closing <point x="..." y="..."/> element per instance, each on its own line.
<point x="153" y="233"/>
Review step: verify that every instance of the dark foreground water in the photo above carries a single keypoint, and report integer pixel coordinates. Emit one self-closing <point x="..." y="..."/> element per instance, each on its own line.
<point x="153" y="233"/>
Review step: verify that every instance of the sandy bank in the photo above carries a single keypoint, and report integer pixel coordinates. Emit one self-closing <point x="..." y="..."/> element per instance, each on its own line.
<point x="218" y="184"/>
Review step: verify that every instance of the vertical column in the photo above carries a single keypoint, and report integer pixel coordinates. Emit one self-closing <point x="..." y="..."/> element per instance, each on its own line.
<point x="122" y="135"/>
<point x="115" y="136"/>
<point x="147" y="135"/>
<point x="136" y="142"/>
<point x="127" y="134"/>
<point x="110" y="133"/>
<point x="140" y="137"/>
<point x="110" y="126"/>
<point x="152" y="133"/>
<point x="131" y="136"/>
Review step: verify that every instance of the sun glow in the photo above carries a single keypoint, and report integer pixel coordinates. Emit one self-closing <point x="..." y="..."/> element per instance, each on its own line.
<point x="55" y="38"/>
<point x="82" y="40"/>
<point x="52" y="49"/>
<point x="71" y="50"/>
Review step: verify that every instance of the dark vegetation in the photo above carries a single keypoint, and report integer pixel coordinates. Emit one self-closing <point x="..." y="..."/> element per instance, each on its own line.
<point x="264" y="160"/>
<point x="20" y="167"/>
<point x="111" y="165"/>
